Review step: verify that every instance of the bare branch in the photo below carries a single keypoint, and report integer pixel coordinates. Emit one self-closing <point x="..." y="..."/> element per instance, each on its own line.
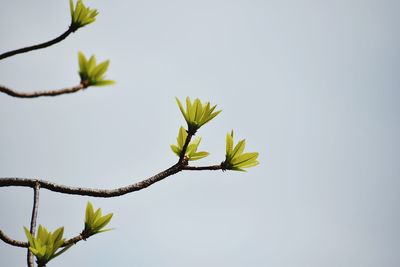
<point x="203" y="168"/>
<point x="38" y="46"/>
<point x="185" y="146"/>
<point x="11" y="92"/>
<point x="73" y="240"/>
<point x="106" y="193"/>
<point x="12" y="242"/>
<point x="35" y="208"/>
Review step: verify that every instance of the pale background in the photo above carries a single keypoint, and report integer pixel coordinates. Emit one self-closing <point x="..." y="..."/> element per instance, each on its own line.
<point x="312" y="85"/>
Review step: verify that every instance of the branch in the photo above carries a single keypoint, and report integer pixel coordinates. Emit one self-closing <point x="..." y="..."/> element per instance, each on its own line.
<point x="76" y="239"/>
<point x="73" y="240"/>
<point x="83" y="85"/>
<point x="93" y="192"/>
<point x="203" y="168"/>
<point x="21" y="244"/>
<point x="105" y="193"/>
<point x="35" y="208"/>
<point x="38" y="46"/>
<point x="185" y="146"/>
<point x="12" y="242"/>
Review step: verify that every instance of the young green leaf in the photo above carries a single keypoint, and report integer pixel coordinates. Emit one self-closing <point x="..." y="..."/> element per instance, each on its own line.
<point x="89" y="213"/>
<point x="101" y="69"/>
<point x="197" y="113"/>
<point x="181" y="109"/>
<point x="105" y="82"/>
<point x="191" y="150"/>
<point x="235" y="159"/>
<point x="94" y="221"/>
<point x="46" y="244"/>
<point x="175" y="149"/>
<point x="28" y="235"/>
<point x="81" y="15"/>
<point x="103" y="221"/>
<point x="97" y="215"/>
<point x="91" y="73"/>
<point x="229" y="143"/>
<point x="57" y="235"/>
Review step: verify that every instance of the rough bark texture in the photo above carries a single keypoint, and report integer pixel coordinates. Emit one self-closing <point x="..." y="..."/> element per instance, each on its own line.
<point x="70" y="90"/>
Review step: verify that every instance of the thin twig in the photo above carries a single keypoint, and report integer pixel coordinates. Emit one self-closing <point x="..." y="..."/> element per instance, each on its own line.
<point x="203" y="168"/>
<point x="35" y="208"/>
<point x="184" y="148"/>
<point x="13" y="242"/>
<point x="73" y="240"/>
<point x="39" y="46"/>
<point x="11" y="92"/>
<point x="21" y="244"/>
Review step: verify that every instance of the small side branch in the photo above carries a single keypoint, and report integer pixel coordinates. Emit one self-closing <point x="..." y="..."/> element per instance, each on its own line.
<point x="38" y="46"/>
<point x="184" y="148"/>
<point x="12" y="242"/>
<point x="21" y="244"/>
<point x="73" y="240"/>
<point x="70" y="90"/>
<point x="35" y="208"/>
<point x="203" y="168"/>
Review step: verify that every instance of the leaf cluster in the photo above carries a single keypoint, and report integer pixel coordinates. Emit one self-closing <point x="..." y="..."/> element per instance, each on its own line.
<point x="81" y="15"/>
<point x="91" y="73"/>
<point x="46" y="244"/>
<point x="235" y="159"/>
<point x="94" y="221"/>
<point x="197" y="114"/>
<point x="191" y="151"/>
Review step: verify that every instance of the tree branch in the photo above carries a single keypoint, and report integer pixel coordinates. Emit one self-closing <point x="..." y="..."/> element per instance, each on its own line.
<point x="105" y="193"/>
<point x="184" y="148"/>
<point x="73" y="240"/>
<point x="35" y="208"/>
<point x="12" y="242"/>
<point x="76" y="239"/>
<point x="83" y="85"/>
<point x="93" y="192"/>
<point x="203" y="168"/>
<point x="38" y="46"/>
<point x="21" y="244"/>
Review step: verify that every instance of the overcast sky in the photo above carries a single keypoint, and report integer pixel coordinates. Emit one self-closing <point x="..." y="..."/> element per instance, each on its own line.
<point x="312" y="85"/>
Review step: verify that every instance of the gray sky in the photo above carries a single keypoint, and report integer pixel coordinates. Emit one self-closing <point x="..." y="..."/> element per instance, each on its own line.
<point x="312" y="85"/>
